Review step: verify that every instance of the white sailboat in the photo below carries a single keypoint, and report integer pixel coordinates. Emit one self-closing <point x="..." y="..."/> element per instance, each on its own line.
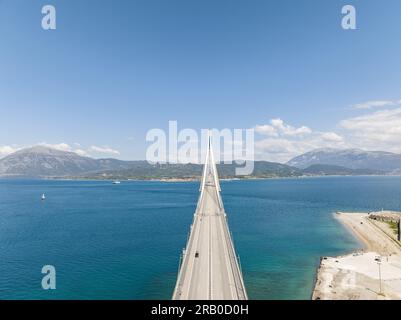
<point x="43" y="197"/>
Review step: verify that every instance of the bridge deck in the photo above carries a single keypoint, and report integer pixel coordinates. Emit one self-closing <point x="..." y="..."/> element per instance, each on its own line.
<point x="210" y="269"/>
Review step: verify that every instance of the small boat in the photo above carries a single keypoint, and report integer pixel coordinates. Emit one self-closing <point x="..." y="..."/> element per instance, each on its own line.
<point x="43" y="197"/>
<point x="116" y="182"/>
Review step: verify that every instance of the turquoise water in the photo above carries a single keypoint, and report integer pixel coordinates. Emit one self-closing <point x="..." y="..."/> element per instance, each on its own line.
<point x="124" y="241"/>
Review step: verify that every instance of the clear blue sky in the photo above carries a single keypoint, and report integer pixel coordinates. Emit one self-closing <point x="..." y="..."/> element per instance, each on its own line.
<point x="115" y="69"/>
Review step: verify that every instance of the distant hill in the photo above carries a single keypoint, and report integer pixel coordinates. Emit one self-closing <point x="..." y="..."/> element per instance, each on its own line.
<point x="349" y="158"/>
<point x="40" y="161"/>
<point x="331" y="170"/>
<point x="144" y="170"/>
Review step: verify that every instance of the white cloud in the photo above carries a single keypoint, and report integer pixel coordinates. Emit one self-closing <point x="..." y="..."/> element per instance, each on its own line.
<point x="376" y="104"/>
<point x="376" y="130"/>
<point x="277" y="127"/>
<point x="81" y="152"/>
<point x="283" y="141"/>
<point x="77" y="148"/>
<point x="6" y="150"/>
<point x="103" y="150"/>
<point x="60" y="146"/>
<point x="266" y="130"/>
<point x="332" y="136"/>
<point x="380" y="130"/>
<point x="66" y="147"/>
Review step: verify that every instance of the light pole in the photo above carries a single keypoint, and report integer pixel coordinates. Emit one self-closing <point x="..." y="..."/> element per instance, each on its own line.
<point x="380" y="278"/>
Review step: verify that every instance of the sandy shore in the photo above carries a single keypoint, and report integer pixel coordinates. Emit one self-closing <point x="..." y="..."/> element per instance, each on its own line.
<point x="374" y="235"/>
<point x="357" y="275"/>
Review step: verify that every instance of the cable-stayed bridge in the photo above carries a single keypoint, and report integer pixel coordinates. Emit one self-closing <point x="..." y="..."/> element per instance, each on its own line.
<point x="210" y="268"/>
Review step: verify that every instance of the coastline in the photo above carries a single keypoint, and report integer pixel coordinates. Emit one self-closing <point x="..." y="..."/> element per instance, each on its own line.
<point x="187" y="179"/>
<point x="364" y="245"/>
<point x="172" y="180"/>
<point x="197" y="178"/>
<point x="370" y="233"/>
<point x="356" y="276"/>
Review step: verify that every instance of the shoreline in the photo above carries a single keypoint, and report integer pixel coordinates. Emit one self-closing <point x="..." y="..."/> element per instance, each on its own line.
<point x="364" y="245"/>
<point x="167" y="180"/>
<point x="369" y="233"/>
<point x="189" y="179"/>
<point x="355" y="276"/>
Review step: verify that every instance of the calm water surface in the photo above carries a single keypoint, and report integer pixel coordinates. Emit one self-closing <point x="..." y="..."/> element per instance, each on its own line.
<point x="124" y="241"/>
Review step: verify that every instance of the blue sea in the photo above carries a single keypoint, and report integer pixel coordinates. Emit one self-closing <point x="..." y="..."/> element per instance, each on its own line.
<point x="124" y="241"/>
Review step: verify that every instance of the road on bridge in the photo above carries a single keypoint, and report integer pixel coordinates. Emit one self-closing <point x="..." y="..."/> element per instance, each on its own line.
<point x="210" y="269"/>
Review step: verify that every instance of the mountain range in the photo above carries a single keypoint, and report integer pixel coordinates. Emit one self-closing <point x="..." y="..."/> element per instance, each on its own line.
<point x="41" y="161"/>
<point x="350" y="158"/>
